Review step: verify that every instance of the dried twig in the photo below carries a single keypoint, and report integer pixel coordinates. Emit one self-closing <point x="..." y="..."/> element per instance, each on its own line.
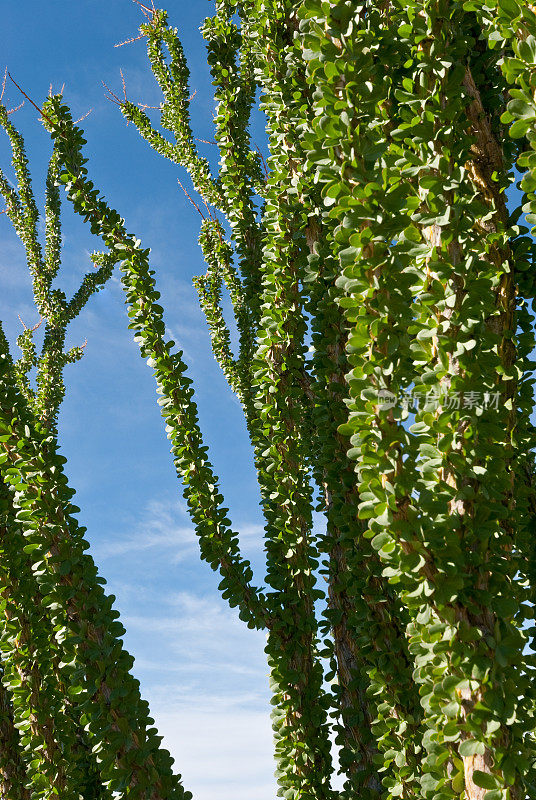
<point x="209" y="212"/>
<point x="129" y="41"/>
<point x="3" y="85"/>
<point x="149" y="12"/>
<point x="113" y="98"/>
<point x="50" y="92"/>
<point x="35" y="327"/>
<point x="191" y="200"/>
<point x="83" y="116"/>
<point x="12" y="110"/>
<point x="124" y="86"/>
<point x="41" y="112"/>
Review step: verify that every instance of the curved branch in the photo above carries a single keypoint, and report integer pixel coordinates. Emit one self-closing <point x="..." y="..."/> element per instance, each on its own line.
<point x="219" y="544"/>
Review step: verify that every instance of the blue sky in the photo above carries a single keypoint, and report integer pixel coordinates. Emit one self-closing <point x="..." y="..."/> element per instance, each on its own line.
<point x="203" y="672"/>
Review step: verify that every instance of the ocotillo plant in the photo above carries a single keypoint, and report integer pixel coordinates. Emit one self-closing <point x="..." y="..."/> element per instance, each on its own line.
<point x="33" y="699"/>
<point x="73" y="722"/>
<point x="381" y="291"/>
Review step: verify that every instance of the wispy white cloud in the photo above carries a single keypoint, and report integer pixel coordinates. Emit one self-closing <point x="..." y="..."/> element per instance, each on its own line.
<point x="199" y="629"/>
<point x="166" y="526"/>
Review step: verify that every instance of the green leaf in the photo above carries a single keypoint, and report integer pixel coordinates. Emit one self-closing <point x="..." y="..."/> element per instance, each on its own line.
<point x="484" y="779"/>
<point x="519" y="129"/>
<point x="380" y="540"/>
<point x="527" y="50"/>
<point x="522" y="109"/>
<point x="513" y="67"/>
<point x="471" y="747"/>
<point x="510" y="8"/>
<point x="458" y="782"/>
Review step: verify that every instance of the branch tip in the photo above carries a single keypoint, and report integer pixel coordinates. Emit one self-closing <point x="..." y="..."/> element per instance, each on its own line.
<point x="148" y="12"/>
<point x="113" y="98"/>
<point x="124" y="86"/>
<point x="144" y="106"/>
<point x="41" y="112"/>
<point x="83" y="116"/>
<point x="129" y="41"/>
<point x="209" y="212"/>
<point x="12" y="110"/>
<point x="34" y="328"/>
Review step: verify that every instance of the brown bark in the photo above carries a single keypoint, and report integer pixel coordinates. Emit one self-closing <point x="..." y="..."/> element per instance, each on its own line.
<point x="350" y="666"/>
<point x="352" y="681"/>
